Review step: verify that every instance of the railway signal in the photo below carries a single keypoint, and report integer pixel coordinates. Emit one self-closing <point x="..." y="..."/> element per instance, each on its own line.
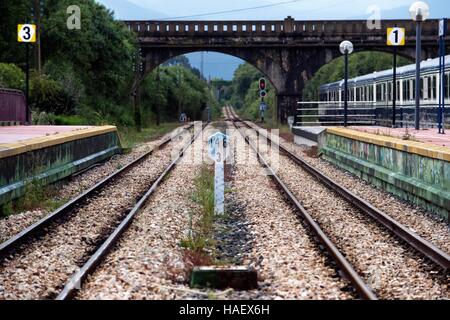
<point x="395" y="38"/>
<point x="26" y="33"/>
<point x="262" y="84"/>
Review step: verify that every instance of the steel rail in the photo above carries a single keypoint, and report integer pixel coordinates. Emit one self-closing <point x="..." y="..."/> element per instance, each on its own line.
<point x="14" y="242"/>
<point x="77" y="279"/>
<point x="358" y="283"/>
<point x="421" y="245"/>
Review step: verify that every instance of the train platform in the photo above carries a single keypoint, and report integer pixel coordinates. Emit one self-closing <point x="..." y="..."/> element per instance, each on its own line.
<point x="414" y="165"/>
<point x="430" y="136"/>
<point x="14" y="134"/>
<point x="50" y="153"/>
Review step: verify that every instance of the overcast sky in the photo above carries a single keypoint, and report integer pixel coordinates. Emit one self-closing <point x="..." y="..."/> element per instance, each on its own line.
<point x="216" y="65"/>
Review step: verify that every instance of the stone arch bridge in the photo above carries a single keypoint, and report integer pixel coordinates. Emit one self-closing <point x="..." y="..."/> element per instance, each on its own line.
<point x="287" y="52"/>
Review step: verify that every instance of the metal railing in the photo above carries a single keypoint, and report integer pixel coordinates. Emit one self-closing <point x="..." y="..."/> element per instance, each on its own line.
<point x="270" y="27"/>
<point x="13" y="106"/>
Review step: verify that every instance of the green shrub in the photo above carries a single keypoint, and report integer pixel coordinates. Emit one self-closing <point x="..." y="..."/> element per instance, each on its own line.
<point x="49" y="95"/>
<point x="11" y="76"/>
<point x="69" y="120"/>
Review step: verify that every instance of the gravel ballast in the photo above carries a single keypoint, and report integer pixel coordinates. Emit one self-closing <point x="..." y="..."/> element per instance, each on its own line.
<point x="392" y="268"/>
<point x="148" y="262"/>
<point x="43" y="265"/>
<point x="420" y="221"/>
<point x="70" y="187"/>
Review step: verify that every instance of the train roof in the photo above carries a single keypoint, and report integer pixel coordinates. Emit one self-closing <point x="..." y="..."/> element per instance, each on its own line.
<point x="426" y="65"/>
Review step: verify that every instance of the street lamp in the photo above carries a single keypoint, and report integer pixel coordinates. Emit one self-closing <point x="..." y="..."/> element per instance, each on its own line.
<point x="419" y="12"/>
<point x="346" y="48"/>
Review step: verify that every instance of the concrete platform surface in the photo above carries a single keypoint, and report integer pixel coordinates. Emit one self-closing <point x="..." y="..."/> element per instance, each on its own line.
<point x="427" y="135"/>
<point x="15" y="134"/>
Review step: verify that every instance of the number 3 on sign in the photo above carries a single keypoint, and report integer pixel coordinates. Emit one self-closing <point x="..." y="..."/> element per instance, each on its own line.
<point x="26" y="32"/>
<point x="396" y="36"/>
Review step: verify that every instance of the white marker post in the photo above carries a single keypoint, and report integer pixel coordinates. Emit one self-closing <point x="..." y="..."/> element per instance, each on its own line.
<point x="217" y="149"/>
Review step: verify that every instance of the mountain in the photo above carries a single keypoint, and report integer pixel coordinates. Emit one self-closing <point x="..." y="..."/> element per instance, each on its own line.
<point x="126" y="10"/>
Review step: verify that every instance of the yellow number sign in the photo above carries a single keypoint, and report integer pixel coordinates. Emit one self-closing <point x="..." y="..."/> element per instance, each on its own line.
<point x="26" y="32"/>
<point x="396" y="36"/>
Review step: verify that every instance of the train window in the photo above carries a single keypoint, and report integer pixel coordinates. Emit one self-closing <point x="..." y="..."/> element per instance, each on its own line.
<point x="405" y="90"/>
<point x="447" y="85"/>
<point x="389" y="92"/>
<point x="413" y="90"/>
<point x="422" y="84"/>
<point x="433" y="92"/>
<point x="398" y="91"/>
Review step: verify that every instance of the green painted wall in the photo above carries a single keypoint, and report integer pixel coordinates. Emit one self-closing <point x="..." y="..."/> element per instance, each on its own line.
<point x="53" y="163"/>
<point x="419" y="179"/>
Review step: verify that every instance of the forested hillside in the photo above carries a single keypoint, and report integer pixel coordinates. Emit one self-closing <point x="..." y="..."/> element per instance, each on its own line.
<point x="86" y="76"/>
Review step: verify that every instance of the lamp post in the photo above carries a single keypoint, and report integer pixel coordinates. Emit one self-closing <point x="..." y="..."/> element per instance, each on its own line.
<point x="419" y="12"/>
<point x="346" y="48"/>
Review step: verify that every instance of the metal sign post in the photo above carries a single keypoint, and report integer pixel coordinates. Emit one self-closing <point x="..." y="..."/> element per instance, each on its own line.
<point x="262" y="109"/>
<point x="441" y="111"/>
<point x="218" y="151"/>
<point x="395" y="38"/>
<point x="27" y="33"/>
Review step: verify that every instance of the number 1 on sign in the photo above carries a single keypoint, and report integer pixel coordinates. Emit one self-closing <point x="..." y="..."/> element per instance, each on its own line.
<point x="396" y="36"/>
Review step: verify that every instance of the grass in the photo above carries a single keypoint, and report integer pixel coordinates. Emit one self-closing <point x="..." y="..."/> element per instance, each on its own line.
<point x="36" y="196"/>
<point x="130" y="137"/>
<point x="199" y="244"/>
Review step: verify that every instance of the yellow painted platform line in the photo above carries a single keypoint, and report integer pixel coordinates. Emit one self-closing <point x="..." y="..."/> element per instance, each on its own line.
<point x="12" y="149"/>
<point x="421" y="148"/>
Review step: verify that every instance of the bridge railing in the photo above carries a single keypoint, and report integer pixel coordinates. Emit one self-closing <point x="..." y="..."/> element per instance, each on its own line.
<point x="271" y="28"/>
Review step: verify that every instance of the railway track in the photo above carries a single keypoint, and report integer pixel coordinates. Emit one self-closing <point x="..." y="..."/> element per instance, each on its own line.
<point x="21" y="251"/>
<point x="76" y="280"/>
<point x="358" y="283"/>
<point x="421" y="246"/>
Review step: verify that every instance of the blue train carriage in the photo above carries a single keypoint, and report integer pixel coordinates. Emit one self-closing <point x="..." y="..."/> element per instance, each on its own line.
<point x="375" y="90"/>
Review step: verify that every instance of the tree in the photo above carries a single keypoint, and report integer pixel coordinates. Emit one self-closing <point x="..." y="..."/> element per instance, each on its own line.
<point x="360" y="63"/>
<point x="11" y="76"/>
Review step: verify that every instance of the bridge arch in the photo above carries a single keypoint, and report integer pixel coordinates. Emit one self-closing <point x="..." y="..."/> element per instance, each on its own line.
<point x="271" y="73"/>
<point x="288" y="52"/>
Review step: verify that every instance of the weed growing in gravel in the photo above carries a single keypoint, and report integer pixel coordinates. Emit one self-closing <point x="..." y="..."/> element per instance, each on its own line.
<point x="199" y="244"/>
<point x="6" y="210"/>
<point x="36" y="196"/>
<point x="130" y="137"/>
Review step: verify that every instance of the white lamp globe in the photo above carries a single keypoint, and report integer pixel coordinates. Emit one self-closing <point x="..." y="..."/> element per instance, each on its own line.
<point x="419" y="11"/>
<point x="346" y="47"/>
